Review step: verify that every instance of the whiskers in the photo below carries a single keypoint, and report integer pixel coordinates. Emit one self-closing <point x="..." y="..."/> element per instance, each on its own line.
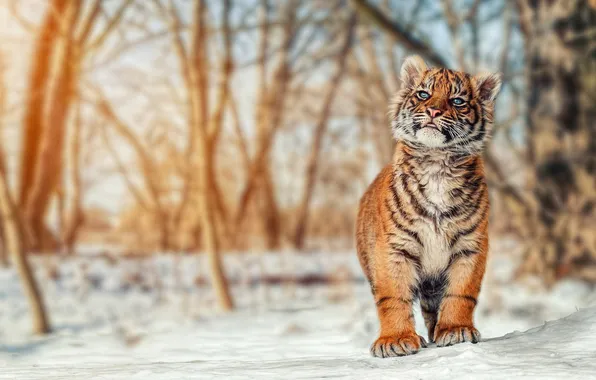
<point x="463" y="141"/>
<point x="460" y="142"/>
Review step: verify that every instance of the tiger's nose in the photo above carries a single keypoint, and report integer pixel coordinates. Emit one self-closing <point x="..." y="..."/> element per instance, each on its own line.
<point x="433" y="112"/>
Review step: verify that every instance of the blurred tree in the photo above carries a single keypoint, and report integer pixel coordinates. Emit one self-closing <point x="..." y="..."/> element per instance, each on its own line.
<point x="206" y="144"/>
<point x="204" y="128"/>
<point x="400" y="33"/>
<point x="13" y="236"/>
<point x="64" y="38"/>
<point x="312" y="164"/>
<point x="4" y="261"/>
<point x="269" y="118"/>
<point x="73" y="217"/>
<point x="40" y="73"/>
<point x="561" y="75"/>
<point x="151" y="175"/>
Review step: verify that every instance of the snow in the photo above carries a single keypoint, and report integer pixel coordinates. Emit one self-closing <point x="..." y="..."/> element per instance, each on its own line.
<point x="156" y="318"/>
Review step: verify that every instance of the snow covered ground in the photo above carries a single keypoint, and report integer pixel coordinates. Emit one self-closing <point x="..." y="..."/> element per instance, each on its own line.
<point x="156" y="319"/>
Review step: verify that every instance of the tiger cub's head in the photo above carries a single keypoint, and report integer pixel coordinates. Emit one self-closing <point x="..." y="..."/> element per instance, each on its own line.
<point x="443" y="109"/>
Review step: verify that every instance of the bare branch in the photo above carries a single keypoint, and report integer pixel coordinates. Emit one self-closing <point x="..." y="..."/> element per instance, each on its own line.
<point x="398" y="32"/>
<point x="113" y="22"/>
<point x="89" y="22"/>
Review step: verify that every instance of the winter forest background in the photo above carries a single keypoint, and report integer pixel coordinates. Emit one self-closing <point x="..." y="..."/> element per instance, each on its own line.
<point x="186" y="159"/>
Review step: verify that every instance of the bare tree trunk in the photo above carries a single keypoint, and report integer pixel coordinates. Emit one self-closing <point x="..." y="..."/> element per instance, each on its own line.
<point x="269" y="209"/>
<point x="267" y="205"/>
<point x="560" y="73"/>
<point x="4" y="262"/>
<point x="320" y="129"/>
<point x="204" y="132"/>
<point x="187" y="73"/>
<point x="60" y="195"/>
<point x="36" y="95"/>
<point x="74" y="219"/>
<point x="206" y="197"/>
<point x="164" y="231"/>
<point x="216" y="122"/>
<point x="57" y="59"/>
<point x="64" y="67"/>
<point x="15" y="243"/>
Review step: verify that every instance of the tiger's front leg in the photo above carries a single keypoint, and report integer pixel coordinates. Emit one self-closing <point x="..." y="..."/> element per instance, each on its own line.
<point x="456" y="314"/>
<point x="393" y="278"/>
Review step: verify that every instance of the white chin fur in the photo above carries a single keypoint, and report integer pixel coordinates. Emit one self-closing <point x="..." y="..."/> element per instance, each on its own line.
<point x="430" y="137"/>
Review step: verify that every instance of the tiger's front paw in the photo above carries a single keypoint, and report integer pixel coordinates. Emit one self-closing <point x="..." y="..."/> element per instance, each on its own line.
<point x="448" y="336"/>
<point x="391" y="346"/>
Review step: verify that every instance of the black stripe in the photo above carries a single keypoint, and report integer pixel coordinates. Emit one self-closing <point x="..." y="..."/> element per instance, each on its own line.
<point x="401" y="227"/>
<point x="397" y="202"/>
<point x="466" y="252"/>
<point x="473" y="197"/>
<point x="406" y="254"/>
<point x="448" y="134"/>
<point x="456" y="193"/>
<point x="467" y="214"/>
<point x="453" y="211"/>
<point x="480" y="208"/>
<point x="413" y="201"/>
<point x="481" y="131"/>
<point x="410" y="233"/>
<point x="465" y="297"/>
<point x="475" y="114"/>
<point x="382" y="300"/>
<point x="462" y="253"/>
<point x="383" y="308"/>
<point x="474" y="184"/>
<point x="467" y="231"/>
<point x="461" y="234"/>
<point x="393" y="350"/>
<point x="470" y="166"/>
<point x="470" y="173"/>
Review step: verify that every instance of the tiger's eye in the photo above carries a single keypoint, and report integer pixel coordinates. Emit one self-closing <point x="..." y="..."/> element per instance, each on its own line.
<point x="458" y="102"/>
<point x="423" y="95"/>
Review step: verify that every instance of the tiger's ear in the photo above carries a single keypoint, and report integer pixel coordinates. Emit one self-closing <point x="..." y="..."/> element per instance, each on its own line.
<point x="488" y="86"/>
<point x="412" y="70"/>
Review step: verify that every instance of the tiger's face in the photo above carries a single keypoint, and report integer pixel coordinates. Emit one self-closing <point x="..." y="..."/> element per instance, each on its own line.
<point x="444" y="109"/>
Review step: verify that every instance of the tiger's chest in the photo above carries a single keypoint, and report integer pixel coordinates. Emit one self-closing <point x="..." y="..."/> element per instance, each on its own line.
<point x="435" y="251"/>
<point x="437" y="185"/>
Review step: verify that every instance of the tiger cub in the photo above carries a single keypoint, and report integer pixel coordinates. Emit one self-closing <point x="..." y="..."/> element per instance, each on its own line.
<point x="421" y="230"/>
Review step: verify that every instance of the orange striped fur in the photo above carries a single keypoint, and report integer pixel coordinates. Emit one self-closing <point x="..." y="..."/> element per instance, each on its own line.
<point x="422" y="224"/>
